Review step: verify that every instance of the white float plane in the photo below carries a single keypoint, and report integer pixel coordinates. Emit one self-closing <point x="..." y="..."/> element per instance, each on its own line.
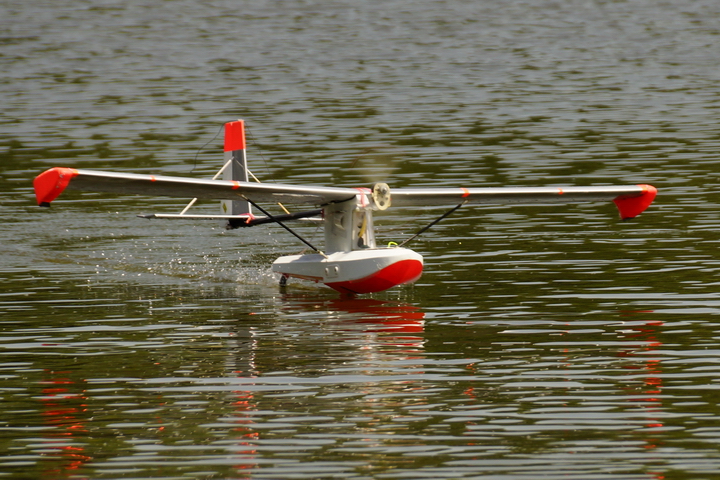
<point x="351" y="261"/>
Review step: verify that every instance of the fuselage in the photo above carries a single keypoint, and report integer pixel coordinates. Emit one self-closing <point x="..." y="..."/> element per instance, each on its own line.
<point x="352" y="262"/>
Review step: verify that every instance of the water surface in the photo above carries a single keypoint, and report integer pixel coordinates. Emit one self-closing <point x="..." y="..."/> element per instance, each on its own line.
<point x="540" y="341"/>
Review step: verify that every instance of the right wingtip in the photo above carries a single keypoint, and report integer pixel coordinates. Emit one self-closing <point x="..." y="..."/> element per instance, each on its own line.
<point x="630" y="206"/>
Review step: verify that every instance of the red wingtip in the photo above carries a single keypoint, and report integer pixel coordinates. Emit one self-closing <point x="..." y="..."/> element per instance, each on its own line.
<point x="235" y="136"/>
<point x="51" y="183"/>
<point x="631" y="206"/>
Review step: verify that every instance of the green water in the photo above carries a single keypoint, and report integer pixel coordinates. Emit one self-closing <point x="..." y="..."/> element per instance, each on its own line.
<point x="540" y="342"/>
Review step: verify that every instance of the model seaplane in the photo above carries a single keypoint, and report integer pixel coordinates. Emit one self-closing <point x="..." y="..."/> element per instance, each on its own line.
<point x="351" y="261"/>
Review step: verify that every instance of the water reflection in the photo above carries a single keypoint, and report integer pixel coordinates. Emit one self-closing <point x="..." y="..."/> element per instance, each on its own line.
<point x="277" y="386"/>
<point x="373" y="333"/>
<point x="649" y="397"/>
<point x="66" y="414"/>
<point x="373" y="315"/>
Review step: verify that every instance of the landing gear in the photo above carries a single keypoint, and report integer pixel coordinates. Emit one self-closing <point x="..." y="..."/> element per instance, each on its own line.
<point x="283" y="281"/>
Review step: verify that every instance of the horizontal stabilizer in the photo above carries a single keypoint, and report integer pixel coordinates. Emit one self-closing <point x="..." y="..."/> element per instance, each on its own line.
<point x="237" y="221"/>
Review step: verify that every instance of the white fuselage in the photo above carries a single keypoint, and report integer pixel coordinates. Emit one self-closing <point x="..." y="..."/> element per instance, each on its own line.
<point x="352" y="262"/>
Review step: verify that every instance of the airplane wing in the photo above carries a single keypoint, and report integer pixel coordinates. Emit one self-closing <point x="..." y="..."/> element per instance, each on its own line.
<point x="631" y="200"/>
<point x="51" y="183"/>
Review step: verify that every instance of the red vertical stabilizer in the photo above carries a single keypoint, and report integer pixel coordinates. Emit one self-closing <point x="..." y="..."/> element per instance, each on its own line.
<point x="235" y="136"/>
<point x="235" y="168"/>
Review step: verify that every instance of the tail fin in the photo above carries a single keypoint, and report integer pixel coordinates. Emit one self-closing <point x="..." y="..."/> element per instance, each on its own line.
<point x="237" y="170"/>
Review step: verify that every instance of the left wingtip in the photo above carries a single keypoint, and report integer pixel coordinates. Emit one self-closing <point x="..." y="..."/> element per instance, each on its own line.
<point x="630" y="206"/>
<point x="51" y="183"/>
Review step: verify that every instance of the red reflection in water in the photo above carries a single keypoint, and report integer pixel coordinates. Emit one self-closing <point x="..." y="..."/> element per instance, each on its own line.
<point x="245" y="404"/>
<point x="64" y="408"/>
<point x="248" y="437"/>
<point x="386" y="316"/>
<point x="400" y="323"/>
<point x="648" y="398"/>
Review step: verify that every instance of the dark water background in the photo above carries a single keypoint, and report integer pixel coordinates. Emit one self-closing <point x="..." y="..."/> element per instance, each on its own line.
<point x="541" y="342"/>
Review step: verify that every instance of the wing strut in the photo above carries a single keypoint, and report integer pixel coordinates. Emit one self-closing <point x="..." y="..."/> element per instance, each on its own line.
<point x="431" y="224"/>
<point x="276" y="220"/>
<point x="192" y="202"/>
<point x="251" y="221"/>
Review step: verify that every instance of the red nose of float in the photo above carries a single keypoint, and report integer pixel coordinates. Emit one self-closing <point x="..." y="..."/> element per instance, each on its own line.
<point x="403" y="271"/>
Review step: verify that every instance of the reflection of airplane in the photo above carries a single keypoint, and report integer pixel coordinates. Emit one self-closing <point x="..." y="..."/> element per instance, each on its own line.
<point x="375" y="331"/>
<point x="352" y="262"/>
<point x="400" y="324"/>
<point x="65" y="411"/>
<point x="650" y="396"/>
<point x="382" y="316"/>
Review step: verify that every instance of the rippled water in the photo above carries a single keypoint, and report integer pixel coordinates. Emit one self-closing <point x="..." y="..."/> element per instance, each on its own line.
<point x="541" y="342"/>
